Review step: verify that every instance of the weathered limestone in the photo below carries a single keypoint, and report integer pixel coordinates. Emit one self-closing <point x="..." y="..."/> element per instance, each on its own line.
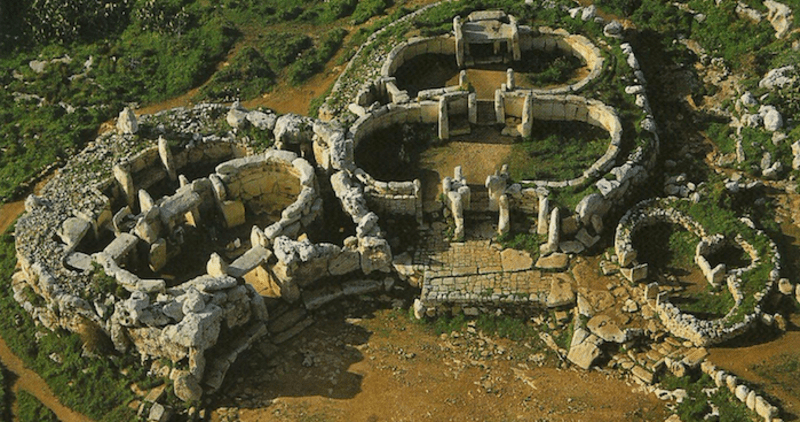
<point x="544" y="211"/>
<point x="166" y="158"/>
<point x="553" y="233"/>
<point x="126" y="122"/>
<point x="123" y="176"/>
<point x="503" y="225"/>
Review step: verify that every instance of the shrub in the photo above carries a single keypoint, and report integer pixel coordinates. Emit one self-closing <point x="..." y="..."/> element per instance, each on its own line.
<point x="30" y="409"/>
<point x="369" y="8"/>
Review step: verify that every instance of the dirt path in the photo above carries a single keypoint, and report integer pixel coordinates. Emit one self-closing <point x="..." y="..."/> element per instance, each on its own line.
<point x="24" y="378"/>
<point x="742" y="360"/>
<point x="380" y="366"/>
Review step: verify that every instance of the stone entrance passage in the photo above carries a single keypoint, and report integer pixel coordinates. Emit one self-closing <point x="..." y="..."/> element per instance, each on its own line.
<point x="478" y="272"/>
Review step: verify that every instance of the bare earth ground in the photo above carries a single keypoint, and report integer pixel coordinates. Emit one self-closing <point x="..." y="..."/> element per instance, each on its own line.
<point x="23" y="378"/>
<point x="378" y="365"/>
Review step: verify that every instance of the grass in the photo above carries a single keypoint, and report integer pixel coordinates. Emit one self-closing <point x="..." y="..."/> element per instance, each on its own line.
<point x="30" y="409"/>
<point x="521" y="241"/>
<point x="548" y="68"/>
<point x="781" y="370"/>
<point x="108" y="378"/>
<point x="696" y="405"/>
<point x="716" y="216"/>
<point x="5" y="395"/>
<point x="557" y="150"/>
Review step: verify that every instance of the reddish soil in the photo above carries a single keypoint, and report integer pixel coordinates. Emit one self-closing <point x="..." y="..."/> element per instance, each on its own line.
<point x="741" y="359"/>
<point x="23" y="378"/>
<point x="383" y="367"/>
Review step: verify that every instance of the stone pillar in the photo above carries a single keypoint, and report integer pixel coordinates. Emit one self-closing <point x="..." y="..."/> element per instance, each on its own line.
<point x="513" y="42"/>
<point x="525" y="128"/>
<point x="466" y="196"/>
<point x="444" y="120"/>
<point x="125" y="179"/>
<point x="145" y="201"/>
<point x="511" y="82"/>
<point x="496" y="186"/>
<point x="553" y="233"/>
<point x="456" y="206"/>
<point x="418" y="210"/>
<point x="459" y="35"/>
<point x="447" y="185"/>
<point x="472" y="105"/>
<point x="458" y="174"/>
<point x="463" y="82"/>
<point x="166" y="158"/>
<point x="499" y="107"/>
<point x="504" y="224"/>
<point x="182" y="180"/>
<point x="544" y="211"/>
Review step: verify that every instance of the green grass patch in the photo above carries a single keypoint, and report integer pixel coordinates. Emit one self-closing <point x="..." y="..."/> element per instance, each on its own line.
<point x="5" y="395"/>
<point x="521" y="241"/>
<point x="696" y="405"/>
<point x="557" y="150"/>
<point x="781" y="370"/>
<point x="108" y="378"/>
<point x="30" y="409"/>
<point x="548" y="68"/>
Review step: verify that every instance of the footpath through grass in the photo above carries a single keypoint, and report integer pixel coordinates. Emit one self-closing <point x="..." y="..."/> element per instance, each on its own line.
<point x="95" y="386"/>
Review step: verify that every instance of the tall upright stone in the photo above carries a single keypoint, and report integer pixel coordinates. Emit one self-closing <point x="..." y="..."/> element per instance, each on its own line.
<point x="444" y="120"/>
<point x="166" y="158"/>
<point x="126" y="122"/>
<point x="123" y="176"/>
<point x="504" y="222"/>
<point x="544" y="212"/>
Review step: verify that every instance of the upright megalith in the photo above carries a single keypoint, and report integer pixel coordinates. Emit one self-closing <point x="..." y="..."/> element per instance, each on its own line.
<point x="166" y="158"/>
<point x="444" y="120"/>
<point x="510" y="80"/>
<point x="122" y="174"/>
<point x="544" y="211"/>
<point x="460" y="43"/>
<point x="126" y="122"/>
<point x="553" y="233"/>
<point x="504" y="222"/>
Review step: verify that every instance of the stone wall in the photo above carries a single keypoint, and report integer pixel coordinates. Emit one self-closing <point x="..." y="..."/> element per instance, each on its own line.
<point x="548" y="39"/>
<point x="414" y="47"/>
<point x="698" y="331"/>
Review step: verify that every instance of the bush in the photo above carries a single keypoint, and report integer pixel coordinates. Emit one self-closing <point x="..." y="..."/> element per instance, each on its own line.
<point x="30" y="409"/>
<point x="313" y="60"/>
<point x="247" y="76"/>
<point x="76" y="374"/>
<point x="369" y="8"/>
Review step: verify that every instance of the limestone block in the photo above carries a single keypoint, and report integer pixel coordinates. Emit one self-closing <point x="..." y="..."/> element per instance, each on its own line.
<point x="197" y="330"/>
<point x="635" y="274"/>
<point x="560" y="293"/>
<point x="544" y="211"/>
<point x="158" y="255"/>
<point x="216" y="266"/>
<point x="375" y="254"/>
<point x="584" y="349"/>
<point x="347" y="261"/>
<point x="126" y="122"/>
<point x="167" y="159"/>
<point x="742" y="391"/>
<point x="237" y="116"/>
<point x="73" y="230"/>
<point x="120" y="246"/>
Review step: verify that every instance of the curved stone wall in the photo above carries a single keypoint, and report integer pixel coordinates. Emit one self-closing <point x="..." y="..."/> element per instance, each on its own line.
<point x="699" y="331"/>
<point x="568" y="108"/>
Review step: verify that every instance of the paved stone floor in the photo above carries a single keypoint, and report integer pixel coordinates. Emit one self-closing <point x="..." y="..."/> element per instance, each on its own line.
<point x="478" y="270"/>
